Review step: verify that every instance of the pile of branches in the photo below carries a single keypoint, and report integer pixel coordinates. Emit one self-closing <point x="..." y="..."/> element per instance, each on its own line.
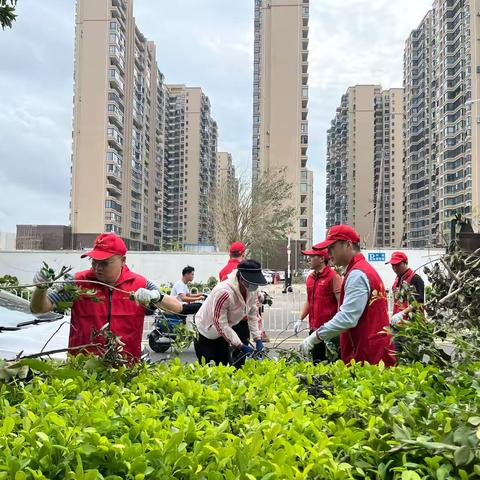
<point x="447" y="329"/>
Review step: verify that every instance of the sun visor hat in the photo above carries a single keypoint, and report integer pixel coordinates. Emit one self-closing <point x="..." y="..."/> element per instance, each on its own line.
<point x="251" y="272"/>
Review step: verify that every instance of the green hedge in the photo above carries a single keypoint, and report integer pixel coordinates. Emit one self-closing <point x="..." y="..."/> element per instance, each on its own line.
<point x="267" y="421"/>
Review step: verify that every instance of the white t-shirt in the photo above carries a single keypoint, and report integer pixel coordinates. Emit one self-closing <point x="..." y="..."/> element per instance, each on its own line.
<point x="179" y="288"/>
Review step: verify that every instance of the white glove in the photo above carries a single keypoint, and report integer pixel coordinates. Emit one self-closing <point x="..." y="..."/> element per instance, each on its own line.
<point x="298" y="327"/>
<point x="145" y="297"/>
<point x="41" y="281"/>
<point x="396" y="319"/>
<point x="307" y="345"/>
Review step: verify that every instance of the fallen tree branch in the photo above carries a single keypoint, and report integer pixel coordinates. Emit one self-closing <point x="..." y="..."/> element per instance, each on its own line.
<point x="60" y="350"/>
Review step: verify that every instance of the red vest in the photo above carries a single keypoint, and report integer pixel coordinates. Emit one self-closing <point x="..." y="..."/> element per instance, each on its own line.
<point x="368" y="341"/>
<point x="228" y="268"/>
<point x="407" y="277"/>
<point x="322" y="302"/>
<point x="125" y="316"/>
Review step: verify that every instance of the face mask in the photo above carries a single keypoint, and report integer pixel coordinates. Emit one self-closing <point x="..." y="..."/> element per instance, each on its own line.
<point x="251" y="287"/>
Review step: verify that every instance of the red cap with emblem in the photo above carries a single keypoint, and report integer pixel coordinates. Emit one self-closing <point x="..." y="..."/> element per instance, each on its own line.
<point x="315" y="250"/>
<point x="237" y="247"/>
<point x="106" y="245"/>
<point x="397" y="257"/>
<point x="339" y="232"/>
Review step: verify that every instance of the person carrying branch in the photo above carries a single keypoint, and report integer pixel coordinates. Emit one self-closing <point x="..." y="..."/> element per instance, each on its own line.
<point x="111" y="307"/>
<point x="363" y="315"/>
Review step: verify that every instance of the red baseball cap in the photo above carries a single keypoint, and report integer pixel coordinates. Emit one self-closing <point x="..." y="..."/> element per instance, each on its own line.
<point x="315" y="250"/>
<point x="339" y="232"/>
<point x="106" y="245"/>
<point x="397" y="257"/>
<point x="237" y="247"/>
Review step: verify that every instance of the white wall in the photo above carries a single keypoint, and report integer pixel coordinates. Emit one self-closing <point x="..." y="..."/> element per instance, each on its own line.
<point x="7" y="240"/>
<point x="416" y="258"/>
<point x="164" y="267"/>
<point x="159" y="267"/>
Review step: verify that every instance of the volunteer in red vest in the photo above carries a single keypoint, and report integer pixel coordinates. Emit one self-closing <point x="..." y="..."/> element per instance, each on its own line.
<point x="323" y="296"/>
<point x="363" y="314"/>
<point x="405" y="275"/>
<point x="125" y="316"/>
<point x="237" y="255"/>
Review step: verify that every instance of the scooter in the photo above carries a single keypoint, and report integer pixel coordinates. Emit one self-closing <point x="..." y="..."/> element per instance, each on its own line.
<point x="162" y="336"/>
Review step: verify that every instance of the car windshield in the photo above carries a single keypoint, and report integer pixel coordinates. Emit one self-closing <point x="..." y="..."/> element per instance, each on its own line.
<point x="15" y="310"/>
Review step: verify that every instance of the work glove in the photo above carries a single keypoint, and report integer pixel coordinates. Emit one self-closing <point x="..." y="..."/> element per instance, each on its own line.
<point x="247" y="350"/>
<point x="298" y="327"/>
<point x="396" y="319"/>
<point x="40" y="280"/>
<point x="259" y="345"/>
<point x="145" y="297"/>
<point x="307" y="345"/>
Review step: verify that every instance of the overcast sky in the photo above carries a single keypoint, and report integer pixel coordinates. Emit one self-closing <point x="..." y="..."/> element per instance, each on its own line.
<point x="207" y="43"/>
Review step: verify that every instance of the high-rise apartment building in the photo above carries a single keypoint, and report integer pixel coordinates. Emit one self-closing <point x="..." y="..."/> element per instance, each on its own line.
<point x="456" y="69"/>
<point x="280" y="102"/>
<point x="119" y="128"/>
<point x="190" y="168"/>
<point x="144" y="153"/>
<point x="421" y="212"/>
<point x="442" y="82"/>
<point x="388" y="169"/>
<point x="227" y="189"/>
<point x="364" y="165"/>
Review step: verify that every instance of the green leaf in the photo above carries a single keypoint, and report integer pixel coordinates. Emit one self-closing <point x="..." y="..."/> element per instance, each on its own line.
<point x="8" y="425"/>
<point x="463" y="456"/>
<point x="42" y="436"/>
<point x="475" y="421"/>
<point x="55" y="419"/>
<point x="37" y="365"/>
<point x="411" y="475"/>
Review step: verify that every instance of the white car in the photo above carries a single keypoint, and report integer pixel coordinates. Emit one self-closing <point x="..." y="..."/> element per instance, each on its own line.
<point x="306" y="272"/>
<point x="268" y="275"/>
<point x="22" y="332"/>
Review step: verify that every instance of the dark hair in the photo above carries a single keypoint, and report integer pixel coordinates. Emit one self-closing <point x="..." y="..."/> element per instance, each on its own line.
<point x="236" y="254"/>
<point x="356" y="246"/>
<point x="187" y="270"/>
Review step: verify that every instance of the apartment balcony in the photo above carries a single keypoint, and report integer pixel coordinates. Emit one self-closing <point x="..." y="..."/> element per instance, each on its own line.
<point x="116" y="80"/>
<point x="114" y="174"/>
<point x="114" y="138"/>
<point x="115" y="115"/>
<point x="118" y="13"/>
<point x="113" y="191"/>
<point x="116" y="56"/>
<point x="137" y="119"/>
<point x="139" y="60"/>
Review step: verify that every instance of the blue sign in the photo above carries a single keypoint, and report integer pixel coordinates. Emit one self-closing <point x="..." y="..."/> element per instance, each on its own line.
<point x="376" y="257"/>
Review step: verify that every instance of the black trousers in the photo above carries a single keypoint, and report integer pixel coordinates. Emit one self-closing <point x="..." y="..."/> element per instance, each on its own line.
<point x="243" y="332"/>
<point x="191" y="308"/>
<point x="217" y="350"/>
<point x="319" y="351"/>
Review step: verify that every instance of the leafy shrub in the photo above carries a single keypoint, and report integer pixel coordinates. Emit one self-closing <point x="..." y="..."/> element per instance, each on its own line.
<point x="268" y="420"/>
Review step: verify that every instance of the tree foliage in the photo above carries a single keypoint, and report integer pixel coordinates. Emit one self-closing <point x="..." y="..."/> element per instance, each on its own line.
<point x="7" y="13"/>
<point x="257" y="215"/>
